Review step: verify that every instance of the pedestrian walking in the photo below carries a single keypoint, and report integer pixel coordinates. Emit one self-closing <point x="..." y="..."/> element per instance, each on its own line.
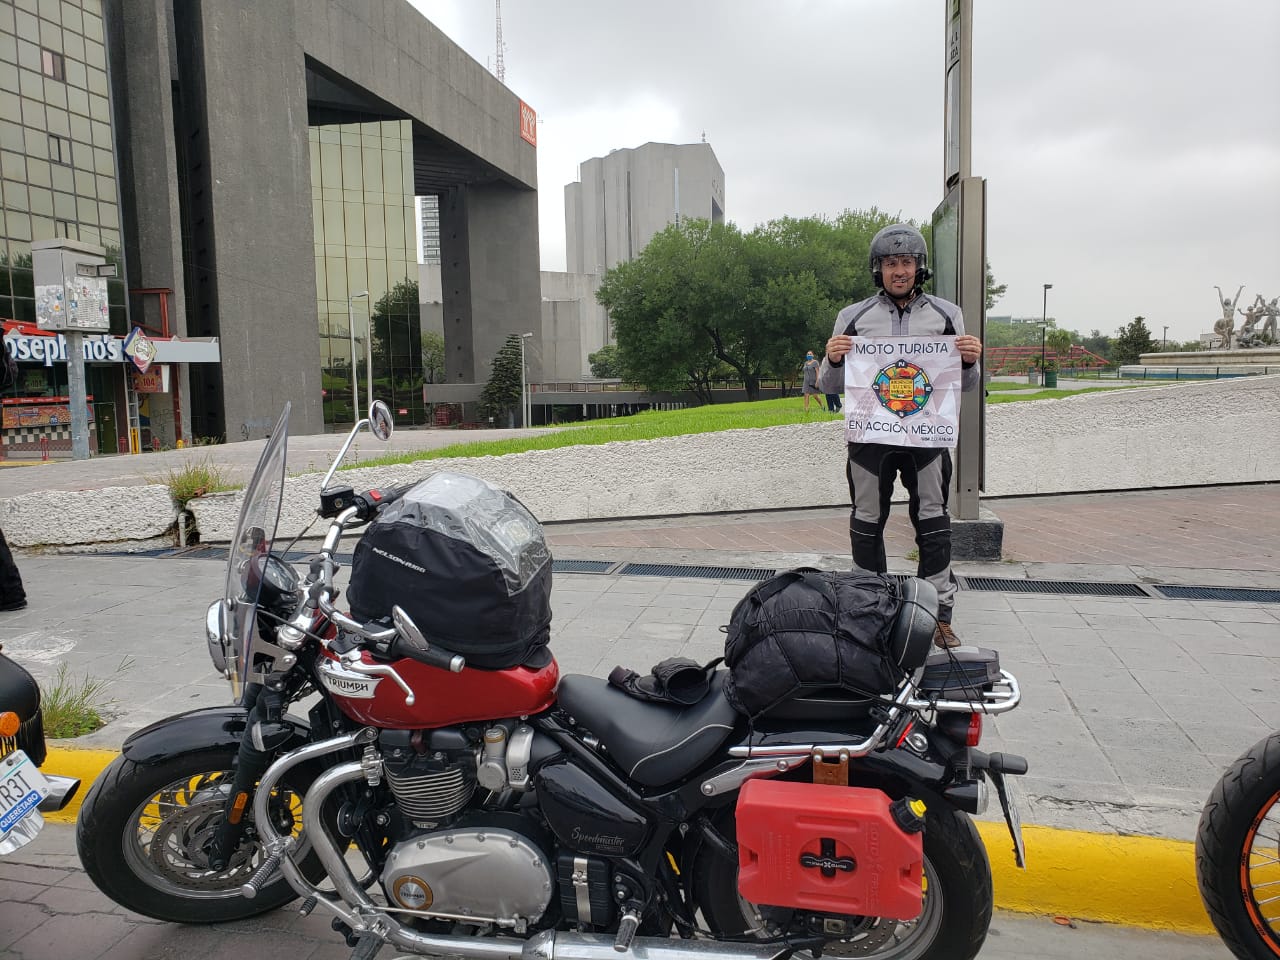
<point x="810" y="378"/>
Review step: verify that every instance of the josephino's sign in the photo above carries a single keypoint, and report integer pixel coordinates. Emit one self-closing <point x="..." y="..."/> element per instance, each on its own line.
<point x="50" y="350"/>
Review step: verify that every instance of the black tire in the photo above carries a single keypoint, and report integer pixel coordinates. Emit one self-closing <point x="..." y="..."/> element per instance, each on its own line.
<point x="1243" y="809"/>
<point x="959" y="882"/>
<point x="178" y="800"/>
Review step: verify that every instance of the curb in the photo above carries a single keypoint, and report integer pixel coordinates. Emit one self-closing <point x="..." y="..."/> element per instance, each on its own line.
<point x="1131" y="880"/>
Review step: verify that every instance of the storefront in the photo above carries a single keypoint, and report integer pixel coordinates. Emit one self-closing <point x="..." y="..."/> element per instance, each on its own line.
<point x="35" y="415"/>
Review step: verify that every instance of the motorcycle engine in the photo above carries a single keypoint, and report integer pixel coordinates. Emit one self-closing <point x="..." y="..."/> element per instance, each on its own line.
<point x="487" y="867"/>
<point x="452" y="861"/>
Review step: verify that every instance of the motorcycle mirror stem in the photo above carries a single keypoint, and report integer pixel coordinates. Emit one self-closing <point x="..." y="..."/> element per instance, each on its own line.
<point x="380" y="424"/>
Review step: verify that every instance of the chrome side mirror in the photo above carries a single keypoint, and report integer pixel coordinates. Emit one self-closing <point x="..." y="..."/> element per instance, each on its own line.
<point x="381" y="424"/>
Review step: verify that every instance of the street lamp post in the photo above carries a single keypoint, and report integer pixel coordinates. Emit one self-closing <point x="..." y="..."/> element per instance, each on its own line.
<point x="355" y="383"/>
<point x="526" y="407"/>
<point x="1044" y="322"/>
<point x="1164" y="340"/>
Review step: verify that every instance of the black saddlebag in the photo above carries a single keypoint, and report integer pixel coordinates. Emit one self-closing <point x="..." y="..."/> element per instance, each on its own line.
<point x="467" y="562"/>
<point x="808" y="630"/>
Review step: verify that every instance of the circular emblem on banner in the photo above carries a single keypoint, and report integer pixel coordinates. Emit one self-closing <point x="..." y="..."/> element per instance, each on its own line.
<point x="902" y="388"/>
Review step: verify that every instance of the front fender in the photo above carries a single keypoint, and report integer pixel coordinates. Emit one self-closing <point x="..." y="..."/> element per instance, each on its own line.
<point x="205" y="729"/>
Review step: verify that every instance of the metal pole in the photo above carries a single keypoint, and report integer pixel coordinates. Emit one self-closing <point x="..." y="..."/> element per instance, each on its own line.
<point x="355" y="386"/>
<point x="1164" y="340"/>
<point x="77" y="395"/>
<point x="1044" y="323"/>
<point x="355" y="380"/>
<point x="523" y="416"/>
<point x="368" y="370"/>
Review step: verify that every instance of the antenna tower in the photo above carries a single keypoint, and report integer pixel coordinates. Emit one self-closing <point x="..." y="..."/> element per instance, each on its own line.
<point x="501" y="67"/>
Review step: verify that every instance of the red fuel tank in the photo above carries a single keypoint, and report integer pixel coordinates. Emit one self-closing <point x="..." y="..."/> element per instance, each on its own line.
<point x="441" y="698"/>
<point x="829" y="849"/>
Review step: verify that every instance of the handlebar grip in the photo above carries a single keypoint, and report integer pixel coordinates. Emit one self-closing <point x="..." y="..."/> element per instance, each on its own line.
<point x="1008" y="763"/>
<point x="432" y="656"/>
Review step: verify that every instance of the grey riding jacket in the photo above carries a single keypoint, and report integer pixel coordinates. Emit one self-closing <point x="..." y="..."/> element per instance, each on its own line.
<point x="878" y="316"/>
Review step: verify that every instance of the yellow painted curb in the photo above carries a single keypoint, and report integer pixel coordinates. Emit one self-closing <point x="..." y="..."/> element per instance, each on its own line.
<point x="83" y="764"/>
<point x="1136" y="881"/>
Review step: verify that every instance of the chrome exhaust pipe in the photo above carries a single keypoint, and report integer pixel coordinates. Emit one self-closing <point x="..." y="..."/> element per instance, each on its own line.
<point x="558" y="945"/>
<point x="61" y="790"/>
<point x="549" y="945"/>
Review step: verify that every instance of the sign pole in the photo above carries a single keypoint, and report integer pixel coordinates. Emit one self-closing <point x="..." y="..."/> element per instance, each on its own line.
<point x="78" y="395"/>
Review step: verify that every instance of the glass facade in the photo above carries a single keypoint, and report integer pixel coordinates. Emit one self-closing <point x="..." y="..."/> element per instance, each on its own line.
<point x="57" y="162"/>
<point x="365" y="240"/>
<point x="57" y="179"/>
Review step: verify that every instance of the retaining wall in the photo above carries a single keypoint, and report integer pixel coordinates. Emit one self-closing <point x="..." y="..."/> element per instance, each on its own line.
<point x="1179" y="435"/>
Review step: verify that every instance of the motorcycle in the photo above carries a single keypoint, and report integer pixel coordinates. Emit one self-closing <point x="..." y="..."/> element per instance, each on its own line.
<point x="497" y="814"/>
<point x="25" y="790"/>
<point x="1238" y="853"/>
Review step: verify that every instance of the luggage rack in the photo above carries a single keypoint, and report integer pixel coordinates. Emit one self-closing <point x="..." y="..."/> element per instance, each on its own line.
<point x="1003" y="695"/>
<point x="1000" y="697"/>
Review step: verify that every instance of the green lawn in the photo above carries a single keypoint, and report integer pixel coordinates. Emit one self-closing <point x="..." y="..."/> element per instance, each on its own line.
<point x="652" y="424"/>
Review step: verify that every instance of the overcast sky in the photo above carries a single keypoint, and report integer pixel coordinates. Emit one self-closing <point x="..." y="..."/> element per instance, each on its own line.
<point x="1131" y="148"/>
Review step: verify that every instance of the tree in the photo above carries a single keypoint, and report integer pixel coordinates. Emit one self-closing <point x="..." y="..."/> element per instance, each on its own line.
<point x="994" y="290"/>
<point x="432" y="357"/>
<point x="502" y="394"/>
<point x="1097" y="342"/>
<point x="704" y="300"/>
<point x="1132" y="340"/>
<point x="605" y="363"/>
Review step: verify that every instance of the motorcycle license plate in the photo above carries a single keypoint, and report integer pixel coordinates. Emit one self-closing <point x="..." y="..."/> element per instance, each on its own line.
<point x="22" y="787"/>
<point x="1009" y="804"/>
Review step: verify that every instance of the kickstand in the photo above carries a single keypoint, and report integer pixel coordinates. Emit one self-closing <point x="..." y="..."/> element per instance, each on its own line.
<point x="367" y="947"/>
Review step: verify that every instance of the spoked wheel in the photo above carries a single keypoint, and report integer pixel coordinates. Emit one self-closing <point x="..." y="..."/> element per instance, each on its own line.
<point x="953" y="921"/>
<point x="1238" y="853"/>
<point x="143" y="836"/>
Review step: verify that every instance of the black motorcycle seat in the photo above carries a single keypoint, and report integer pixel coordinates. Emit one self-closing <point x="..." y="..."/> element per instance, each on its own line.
<point x="654" y="743"/>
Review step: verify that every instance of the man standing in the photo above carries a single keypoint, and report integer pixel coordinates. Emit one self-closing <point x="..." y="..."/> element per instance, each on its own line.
<point x="899" y="266"/>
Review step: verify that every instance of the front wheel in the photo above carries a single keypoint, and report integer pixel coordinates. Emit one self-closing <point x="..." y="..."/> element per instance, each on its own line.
<point x="143" y="835"/>
<point x="1238" y="853"/>
<point x="956" y="905"/>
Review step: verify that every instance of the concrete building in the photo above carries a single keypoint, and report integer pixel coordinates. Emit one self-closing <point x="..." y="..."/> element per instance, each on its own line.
<point x="621" y="200"/>
<point x="252" y="168"/>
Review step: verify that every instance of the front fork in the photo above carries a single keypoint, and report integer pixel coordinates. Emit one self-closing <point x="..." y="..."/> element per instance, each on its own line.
<point x="265" y="733"/>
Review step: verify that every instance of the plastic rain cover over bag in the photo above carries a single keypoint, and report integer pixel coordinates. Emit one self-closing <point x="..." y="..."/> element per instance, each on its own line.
<point x="467" y="561"/>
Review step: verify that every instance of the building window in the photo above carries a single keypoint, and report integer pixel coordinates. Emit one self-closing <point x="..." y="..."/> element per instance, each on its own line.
<point x="60" y="149"/>
<point x="65" y="228"/>
<point x="53" y="65"/>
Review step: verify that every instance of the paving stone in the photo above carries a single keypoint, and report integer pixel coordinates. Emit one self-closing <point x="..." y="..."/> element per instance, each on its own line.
<point x="85" y="936"/>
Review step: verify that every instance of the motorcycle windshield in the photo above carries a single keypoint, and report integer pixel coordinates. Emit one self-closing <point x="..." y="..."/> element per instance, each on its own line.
<point x="250" y="546"/>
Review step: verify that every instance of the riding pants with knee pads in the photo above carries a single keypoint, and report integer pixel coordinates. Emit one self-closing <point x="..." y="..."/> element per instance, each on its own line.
<point x="926" y="474"/>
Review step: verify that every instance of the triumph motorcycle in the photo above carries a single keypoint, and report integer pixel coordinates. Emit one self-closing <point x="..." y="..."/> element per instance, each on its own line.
<point x="498" y="814"/>
<point x="1238" y="853"/>
<point x="25" y="790"/>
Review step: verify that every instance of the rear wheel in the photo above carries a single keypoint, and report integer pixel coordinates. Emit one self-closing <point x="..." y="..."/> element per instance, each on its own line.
<point x="1238" y="853"/>
<point x="143" y="836"/>
<point x="952" y="924"/>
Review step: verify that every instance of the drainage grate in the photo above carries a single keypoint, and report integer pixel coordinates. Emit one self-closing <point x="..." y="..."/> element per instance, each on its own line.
<point x="1059" y="587"/>
<point x="707" y="573"/>
<point x="1247" y="594"/>
<point x="581" y="566"/>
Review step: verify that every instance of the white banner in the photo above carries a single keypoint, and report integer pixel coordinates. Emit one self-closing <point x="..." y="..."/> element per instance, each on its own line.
<point x="902" y="391"/>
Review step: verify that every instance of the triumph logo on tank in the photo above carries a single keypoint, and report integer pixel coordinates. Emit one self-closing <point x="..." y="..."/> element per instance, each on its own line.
<point x="903" y="391"/>
<point x="347" y="684"/>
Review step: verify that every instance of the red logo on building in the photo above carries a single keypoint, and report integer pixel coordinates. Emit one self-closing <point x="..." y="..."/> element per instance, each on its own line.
<point x="528" y="123"/>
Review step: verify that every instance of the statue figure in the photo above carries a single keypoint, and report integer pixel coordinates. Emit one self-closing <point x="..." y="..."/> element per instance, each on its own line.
<point x="1224" y="327"/>
<point x="1247" y="337"/>
<point x="1271" y="312"/>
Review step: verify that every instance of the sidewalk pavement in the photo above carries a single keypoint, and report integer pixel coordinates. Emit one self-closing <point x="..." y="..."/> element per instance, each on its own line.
<point x="1132" y="706"/>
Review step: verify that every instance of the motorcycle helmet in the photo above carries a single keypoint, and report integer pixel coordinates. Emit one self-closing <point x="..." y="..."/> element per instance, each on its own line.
<point x="900" y="239"/>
